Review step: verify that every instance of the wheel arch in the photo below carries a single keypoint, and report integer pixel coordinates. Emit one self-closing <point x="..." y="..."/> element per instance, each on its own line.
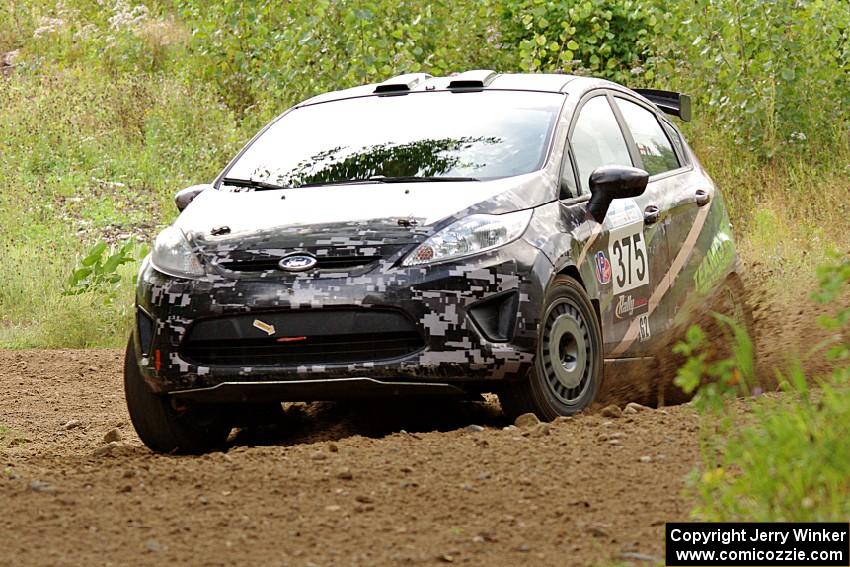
<point x="570" y="270"/>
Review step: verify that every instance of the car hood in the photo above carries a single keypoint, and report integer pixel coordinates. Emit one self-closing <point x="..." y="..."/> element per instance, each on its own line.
<point x="349" y="228"/>
<point x="419" y="205"/>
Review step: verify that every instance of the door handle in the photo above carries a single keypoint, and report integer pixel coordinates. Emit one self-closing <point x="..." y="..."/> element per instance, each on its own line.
<point x="651" y="214"/>
<point x="702" y="197"/>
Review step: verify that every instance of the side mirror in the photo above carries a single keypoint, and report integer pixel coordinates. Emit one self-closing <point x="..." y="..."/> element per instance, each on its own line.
<point x="611" y="182"/>
<point x="187" y="195"/>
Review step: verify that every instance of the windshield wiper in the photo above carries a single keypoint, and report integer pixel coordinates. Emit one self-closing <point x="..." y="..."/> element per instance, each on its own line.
<point x="419" y="178"/>
<point x="260" y="185"/>
<point x="383" y="179"/>
<point x="339" y="182"/>
<point x="252" y="183"/>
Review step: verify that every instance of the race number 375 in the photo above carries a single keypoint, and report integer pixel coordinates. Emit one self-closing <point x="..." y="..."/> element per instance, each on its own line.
<point x="629" y="264"/>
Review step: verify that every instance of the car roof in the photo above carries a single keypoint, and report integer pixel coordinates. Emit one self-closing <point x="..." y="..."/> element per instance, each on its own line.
<point x="478" y="79"/>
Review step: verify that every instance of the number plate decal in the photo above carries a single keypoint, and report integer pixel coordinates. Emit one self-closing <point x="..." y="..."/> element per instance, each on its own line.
<point x="629" y="261"/>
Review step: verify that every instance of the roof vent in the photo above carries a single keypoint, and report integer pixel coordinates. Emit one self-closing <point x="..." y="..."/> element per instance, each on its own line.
<point x="402" y="83"/>
<point x="477" y="79"/>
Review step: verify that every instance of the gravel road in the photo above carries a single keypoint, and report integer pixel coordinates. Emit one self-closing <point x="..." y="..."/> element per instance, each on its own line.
<point x="425" y="483"/>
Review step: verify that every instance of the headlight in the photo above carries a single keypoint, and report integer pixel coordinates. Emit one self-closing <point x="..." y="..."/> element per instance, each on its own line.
<point x="172" y="254"/>
<point x="472" y="235"/>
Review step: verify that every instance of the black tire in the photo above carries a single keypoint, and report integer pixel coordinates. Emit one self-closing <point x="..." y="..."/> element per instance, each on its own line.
<point x="159" y="424"/>
<point x="730" y="298"/>
<point x="567" y="370"/>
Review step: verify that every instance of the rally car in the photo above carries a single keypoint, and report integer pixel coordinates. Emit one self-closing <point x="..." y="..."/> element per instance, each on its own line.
<point x="521" y="234"/>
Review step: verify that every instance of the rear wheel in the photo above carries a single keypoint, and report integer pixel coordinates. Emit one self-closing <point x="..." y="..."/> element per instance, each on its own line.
<point x="732" y="301"/>
<point x="567" y="369"/>
<point x="163" y="425"/>
<point x="729" y="299"/>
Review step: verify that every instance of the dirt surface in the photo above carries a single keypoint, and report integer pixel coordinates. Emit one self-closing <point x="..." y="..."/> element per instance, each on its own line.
<point x="413" y="483"/>
<point x="331" y="485"/>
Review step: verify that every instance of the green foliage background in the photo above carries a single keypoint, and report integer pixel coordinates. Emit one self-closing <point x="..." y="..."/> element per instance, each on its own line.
<point x="110" y="106"/>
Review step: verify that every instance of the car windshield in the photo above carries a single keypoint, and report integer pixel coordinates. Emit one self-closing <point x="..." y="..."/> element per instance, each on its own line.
<point x="444" y="135"/>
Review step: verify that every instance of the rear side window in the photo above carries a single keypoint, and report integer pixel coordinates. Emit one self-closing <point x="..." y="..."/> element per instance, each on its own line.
<point x="597" y="139"/>
<point x="676" y="138"/>
<point x="652" y="143"/>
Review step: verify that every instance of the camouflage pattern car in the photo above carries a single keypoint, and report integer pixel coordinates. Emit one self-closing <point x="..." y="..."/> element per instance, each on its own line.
<point x="512" y="233"/>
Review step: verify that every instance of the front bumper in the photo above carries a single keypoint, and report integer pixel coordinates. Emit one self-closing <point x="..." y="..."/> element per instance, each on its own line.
<point x="464" y="339"/>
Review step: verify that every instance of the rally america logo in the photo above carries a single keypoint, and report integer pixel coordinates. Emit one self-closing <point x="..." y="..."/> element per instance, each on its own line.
<point x="627" y="306"/>
<point x="603" y="268"/>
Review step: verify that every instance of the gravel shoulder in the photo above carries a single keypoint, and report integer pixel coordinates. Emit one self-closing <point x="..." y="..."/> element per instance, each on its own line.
<point x="332" y="485"/>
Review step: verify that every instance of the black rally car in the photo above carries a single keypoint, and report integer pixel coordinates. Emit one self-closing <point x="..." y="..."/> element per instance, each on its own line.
<point x="485" y="232"/>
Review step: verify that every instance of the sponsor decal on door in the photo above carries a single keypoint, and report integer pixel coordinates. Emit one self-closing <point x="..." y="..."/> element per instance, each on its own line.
<point x="627" y="306"/>
<point x="603" y="268"/>
<point x="716" y="263"/>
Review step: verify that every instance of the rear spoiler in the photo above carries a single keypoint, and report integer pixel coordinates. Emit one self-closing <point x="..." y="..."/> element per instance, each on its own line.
<point x="677" y="104"/>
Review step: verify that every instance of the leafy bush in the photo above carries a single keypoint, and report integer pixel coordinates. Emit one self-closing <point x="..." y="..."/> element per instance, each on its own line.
<point x="98" y="270"/>
<point x="832" y="279"/>
<point x="716" y="381"/>
<point x="612" y="39"/>
<point x="774" y="73"/>
<point x="787" y="459"/>
<point x="273" y="54"/>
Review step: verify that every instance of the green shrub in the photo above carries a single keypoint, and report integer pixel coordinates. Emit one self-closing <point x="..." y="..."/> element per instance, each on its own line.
<point x="785" y="458"/>
<point x="98" y="272"/>
<point x="775" y="74"/>
<point x="716" y="382"/>
<point x="35" y="313"/>
<point x="272" y="53"/>
<point x="612" y="39"/>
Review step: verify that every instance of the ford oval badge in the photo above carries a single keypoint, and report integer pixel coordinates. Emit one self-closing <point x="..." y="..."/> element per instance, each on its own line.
<point x="298" y="263"/>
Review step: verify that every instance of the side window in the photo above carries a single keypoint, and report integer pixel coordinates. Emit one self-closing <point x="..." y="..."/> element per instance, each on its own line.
<point x="676" y="138"/>
<point x="597" y="139"/>
<point x="652" y="143"/>
<point x="568" y="177"/>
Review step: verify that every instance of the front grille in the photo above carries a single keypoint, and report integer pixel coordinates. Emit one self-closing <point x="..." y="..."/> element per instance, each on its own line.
<point x="320" y="336"/>
<point x="340" y="349"/>
<point x="267" y="263"/>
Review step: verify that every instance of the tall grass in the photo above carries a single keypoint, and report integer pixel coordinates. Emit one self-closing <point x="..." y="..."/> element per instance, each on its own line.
<point x="88" y="154"/>
<point x="788" y="211"/>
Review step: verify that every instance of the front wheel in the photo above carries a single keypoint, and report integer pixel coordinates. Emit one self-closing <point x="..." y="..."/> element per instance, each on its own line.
<point x="567" y="370"/>
<point x="165" y="427"/>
